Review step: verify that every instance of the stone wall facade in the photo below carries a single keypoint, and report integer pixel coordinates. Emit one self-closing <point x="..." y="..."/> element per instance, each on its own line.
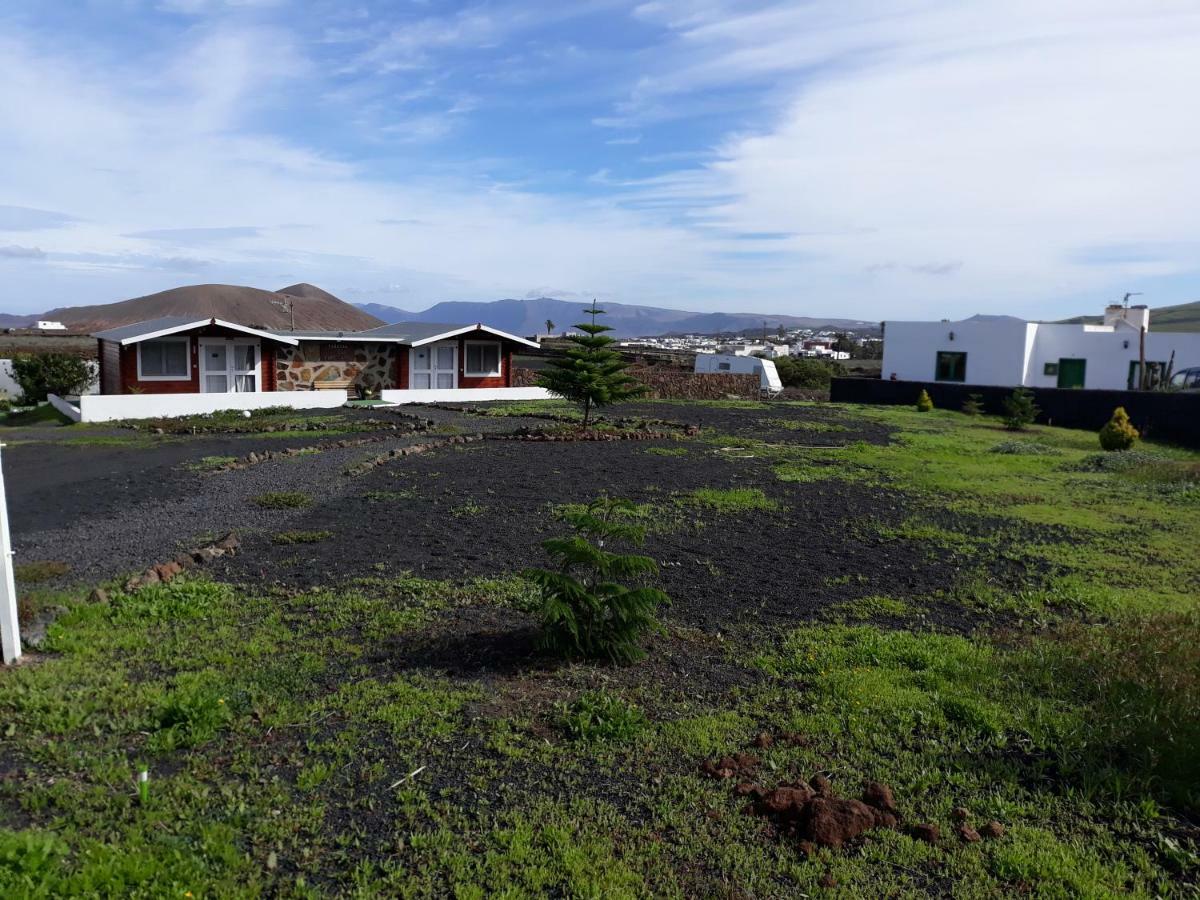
<point x="371" y="367"/>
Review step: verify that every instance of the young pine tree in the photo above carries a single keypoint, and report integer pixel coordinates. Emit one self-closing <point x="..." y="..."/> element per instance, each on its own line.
<point x="1019" y="410"/>
<point x="586" y="610"/>
<point x="591" y="373"/>
<point x="924" y="402"/>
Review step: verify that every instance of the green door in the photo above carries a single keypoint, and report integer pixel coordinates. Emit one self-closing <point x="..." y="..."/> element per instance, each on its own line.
<point x="1071" y="372"/>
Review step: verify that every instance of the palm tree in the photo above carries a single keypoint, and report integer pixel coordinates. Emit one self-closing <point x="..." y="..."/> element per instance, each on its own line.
<point x="549" y="326"/>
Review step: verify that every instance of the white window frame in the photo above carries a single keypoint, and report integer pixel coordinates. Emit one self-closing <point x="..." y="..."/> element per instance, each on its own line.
<point x="499" y="359"/>
<point x="187" y="345"/>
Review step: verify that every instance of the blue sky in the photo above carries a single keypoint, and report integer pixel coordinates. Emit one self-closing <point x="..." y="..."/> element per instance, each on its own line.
<point x="904" y="159"/>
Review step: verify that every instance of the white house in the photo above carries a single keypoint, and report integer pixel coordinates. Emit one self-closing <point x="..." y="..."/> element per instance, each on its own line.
<point x="48" y="325"/>
<point x="732" y="364"/>
<point x="1005" y="351"/>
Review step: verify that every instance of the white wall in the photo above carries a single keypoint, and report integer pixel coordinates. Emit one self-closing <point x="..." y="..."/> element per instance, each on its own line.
<point x="8" y="384"/>
<point x="1013" y="353"/>
<point x="113" y="407"/>
<point x="995" y="350"/>
<point x="464" y="395"/>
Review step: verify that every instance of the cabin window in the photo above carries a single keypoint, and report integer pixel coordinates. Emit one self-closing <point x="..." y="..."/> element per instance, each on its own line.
<point x="164" y="359"/>
<point x="951" y="366"/>
<point x="724" y="367"/>
<point x="482" y="359"/>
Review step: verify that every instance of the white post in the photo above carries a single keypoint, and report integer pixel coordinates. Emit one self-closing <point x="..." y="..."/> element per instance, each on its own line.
<point x="10" y="632"/>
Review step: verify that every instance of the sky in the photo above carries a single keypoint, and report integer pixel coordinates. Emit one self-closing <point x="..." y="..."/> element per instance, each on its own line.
<point x="874" y="159"/>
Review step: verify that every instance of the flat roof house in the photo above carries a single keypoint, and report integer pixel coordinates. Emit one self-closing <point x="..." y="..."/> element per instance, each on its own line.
<point x="1010" y="352"/>
<point x="205" y="364"/>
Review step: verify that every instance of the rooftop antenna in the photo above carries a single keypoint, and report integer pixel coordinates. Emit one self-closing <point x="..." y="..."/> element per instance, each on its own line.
<point x="1128" y="294"/>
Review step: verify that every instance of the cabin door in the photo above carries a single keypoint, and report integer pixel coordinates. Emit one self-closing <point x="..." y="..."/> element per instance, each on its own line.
<point x="229" y="366"/>
<point x="435" y="366"/>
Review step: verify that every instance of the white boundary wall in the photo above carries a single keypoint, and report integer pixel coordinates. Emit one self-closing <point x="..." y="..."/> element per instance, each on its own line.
<point x="465" y="395"/>
<point x="112" y="407"/>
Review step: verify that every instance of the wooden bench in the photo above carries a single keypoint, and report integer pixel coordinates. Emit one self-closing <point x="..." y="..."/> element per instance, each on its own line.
<point x="335" y="384"/>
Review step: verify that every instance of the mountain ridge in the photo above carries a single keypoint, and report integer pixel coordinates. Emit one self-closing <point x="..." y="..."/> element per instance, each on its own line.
<point x="308" y="306"/>
<point x="528" y="316"/>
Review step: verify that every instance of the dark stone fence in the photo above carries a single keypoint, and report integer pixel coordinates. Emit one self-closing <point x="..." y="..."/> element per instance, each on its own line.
<point x="1164" y="416"/>
<point x="667" y="383"/>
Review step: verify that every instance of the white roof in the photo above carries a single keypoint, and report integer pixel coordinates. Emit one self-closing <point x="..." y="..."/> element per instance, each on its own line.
<point x="156" y="328"/>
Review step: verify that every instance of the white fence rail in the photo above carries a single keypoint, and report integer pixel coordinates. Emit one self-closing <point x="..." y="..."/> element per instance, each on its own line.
<point x="113" y="407"/>
<point x="464" y="395"/>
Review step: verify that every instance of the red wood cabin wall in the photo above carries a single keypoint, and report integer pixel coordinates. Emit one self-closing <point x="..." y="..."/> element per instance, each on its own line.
<point x="504" y="379"/>
<point x="124" y="361"/>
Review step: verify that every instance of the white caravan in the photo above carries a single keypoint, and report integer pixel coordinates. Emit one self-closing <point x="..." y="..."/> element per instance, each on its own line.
<point x="728" y="364"/>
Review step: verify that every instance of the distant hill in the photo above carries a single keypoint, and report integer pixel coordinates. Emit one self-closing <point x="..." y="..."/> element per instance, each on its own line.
<point x="313" y="308"/>
<point x="526" y="317"/>
<point x="9" y="320"/>
<point x="1183" y="317"/>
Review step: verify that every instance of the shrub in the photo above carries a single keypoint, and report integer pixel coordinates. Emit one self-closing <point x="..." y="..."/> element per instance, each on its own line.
<point x="1019" y="410"/>
<point x="49" y="373"/>
<point x="600" y="716"/>
<point x="585" y="610"/>
<point x="283" y="500"/>
<point x="973" y="405"/>
<point x="924" y="402"/>
<point x="1118" y="432"/>
<point x="798" y="372"/>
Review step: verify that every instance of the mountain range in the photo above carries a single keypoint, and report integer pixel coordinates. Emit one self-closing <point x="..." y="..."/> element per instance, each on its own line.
<point x="526" y="317"/>
<point x="307" y="307"/>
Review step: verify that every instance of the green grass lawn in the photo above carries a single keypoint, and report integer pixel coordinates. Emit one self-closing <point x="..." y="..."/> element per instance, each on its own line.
<point x="294" y="746"/>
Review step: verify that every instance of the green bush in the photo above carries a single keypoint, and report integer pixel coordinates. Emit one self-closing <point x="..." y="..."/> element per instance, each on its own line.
<point x="1019" y="410"/>
<point x="600" y="716"/>
<point x="924" y="402"/>
<point x="49" y="373"/>
<point x="1118" y="432"/>
<point x="814" y="374"/>
<point x="585" y="610"/>
<point x="973" y="405"/>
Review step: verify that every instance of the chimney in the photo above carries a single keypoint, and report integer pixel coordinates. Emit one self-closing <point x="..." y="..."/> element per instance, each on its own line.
<point x="1136" y="317"/>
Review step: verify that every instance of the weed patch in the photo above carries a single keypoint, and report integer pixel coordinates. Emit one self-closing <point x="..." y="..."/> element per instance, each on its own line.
<point x="301" y="537"/>
<point x="40" y="570"/>
<point x="600" y="716"/>
<point x="283" y="500"/>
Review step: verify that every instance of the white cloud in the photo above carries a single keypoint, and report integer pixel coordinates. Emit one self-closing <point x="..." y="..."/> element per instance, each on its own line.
<point x="986" y="142"/>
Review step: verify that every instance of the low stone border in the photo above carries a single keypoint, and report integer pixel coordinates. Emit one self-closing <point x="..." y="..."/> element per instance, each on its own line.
<point x="525" y="434"/>
<point x="253" y="458"/>
<point x="165" y="572"/>
<point x="33" y="633"/>
<point x="367" y="465"/>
